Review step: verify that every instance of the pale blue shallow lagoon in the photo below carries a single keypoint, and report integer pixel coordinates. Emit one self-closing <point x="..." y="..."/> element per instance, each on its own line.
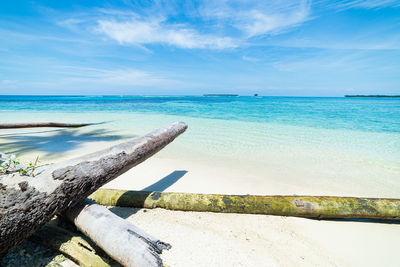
<point x="340" y="146"/>
<point x="364" y="114"/>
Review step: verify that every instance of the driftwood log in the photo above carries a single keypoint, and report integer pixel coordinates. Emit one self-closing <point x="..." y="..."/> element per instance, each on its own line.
<point x="42" y="124"/>
<point x="68" y="243"/>
<point x="26" y="202"/>
<point x="121" y="240"/>
<point x="320" y="207"/>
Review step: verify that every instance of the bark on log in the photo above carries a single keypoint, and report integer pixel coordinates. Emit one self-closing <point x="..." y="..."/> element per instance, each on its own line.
<point x="68" y="243"/>
<point x="320" y="207"/>
<point x="42" y="124"/>
<point x="121" y="240"/>
<point x="27" y="202"/>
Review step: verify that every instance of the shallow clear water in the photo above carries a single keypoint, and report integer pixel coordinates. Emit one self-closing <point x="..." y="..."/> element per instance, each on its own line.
<point x="334" y="145"/>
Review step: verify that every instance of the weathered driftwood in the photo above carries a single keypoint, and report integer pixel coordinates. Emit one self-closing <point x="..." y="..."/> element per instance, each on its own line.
<point x="320" y="207"/>
<point x="121" y="240"/>
<point x="68" y="243"/>
<point x="28" y="202"/>
<point x="42" y="124"/>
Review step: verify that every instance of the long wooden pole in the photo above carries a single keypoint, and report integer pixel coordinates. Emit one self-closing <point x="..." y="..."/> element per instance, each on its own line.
<point x="42" y="124"/>
<point x="321" y="207"/>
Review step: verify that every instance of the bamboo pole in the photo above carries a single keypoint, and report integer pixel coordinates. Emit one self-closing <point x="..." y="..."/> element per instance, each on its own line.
<point x="320" y="207"/>
<point x="68" y="243"/>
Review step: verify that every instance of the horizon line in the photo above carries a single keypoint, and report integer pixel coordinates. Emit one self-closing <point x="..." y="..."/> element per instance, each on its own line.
<point x="168" y="95"/>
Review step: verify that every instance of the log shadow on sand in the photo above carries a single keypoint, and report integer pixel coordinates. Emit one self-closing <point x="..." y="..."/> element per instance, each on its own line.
<point x="166" y="182"/>
<point x="160" y="185"/>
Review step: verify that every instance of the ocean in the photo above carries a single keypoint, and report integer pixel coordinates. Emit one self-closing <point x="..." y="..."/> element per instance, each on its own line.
<point x="364" y="114"/>
<point x="322" y="141"/>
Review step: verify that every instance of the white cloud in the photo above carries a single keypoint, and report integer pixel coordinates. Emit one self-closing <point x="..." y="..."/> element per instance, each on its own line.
<point x="369" y="4"/>
<point x="8" y="84"/>
<point x="215" y="24"/>
<point x="70" y="22"/>
<point x="117" y="77"/>
<point x="355" y="42"/>
<point x="272" y="19"/>
<point x="250" y="59"/>
<point x="7" y="81"/>
<point x="78" y="80"/>
<point x="261" y="24"/>
<point x="138" y="32"/>
<point x="210" y="25"/>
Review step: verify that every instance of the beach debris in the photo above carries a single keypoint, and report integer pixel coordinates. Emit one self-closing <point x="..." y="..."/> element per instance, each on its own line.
<point x="120" y="239"/>
<point x="319" y="207"/>
<point x="34" y="254"/>
<point x="42" y="124"/>
<point x="70" y="244"/>
<point x="57" y="187"/>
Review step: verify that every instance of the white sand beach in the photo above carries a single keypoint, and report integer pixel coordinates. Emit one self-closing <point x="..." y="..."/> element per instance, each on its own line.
<point x="211" y="239"/>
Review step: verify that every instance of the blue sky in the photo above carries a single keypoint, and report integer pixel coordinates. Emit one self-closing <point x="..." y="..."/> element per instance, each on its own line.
<point x="281" y="47"/>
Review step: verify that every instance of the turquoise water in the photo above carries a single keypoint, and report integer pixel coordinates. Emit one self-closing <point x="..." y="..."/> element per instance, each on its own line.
<point x="334" y="146"/>
<point x="364" y="114"/>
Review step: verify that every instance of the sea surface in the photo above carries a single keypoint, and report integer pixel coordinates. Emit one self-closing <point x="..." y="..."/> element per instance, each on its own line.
<point x="364" y="114"/>
<point x="330" y="140"/>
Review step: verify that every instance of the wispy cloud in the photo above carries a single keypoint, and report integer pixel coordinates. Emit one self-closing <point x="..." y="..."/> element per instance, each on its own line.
<point x="8" y="84"/>
<point x="334" y="62"/>
<point x="257" y="23"/>
<point x="210" y="25"/>
<point x="215" y="24"/>
<point x="250" y="59"/>
<point x="116" y="77"/>
<point x="141" y="32"/>
<point x="87" y="79"/>
<point x="356" y="42"/>
<point x="369" y="4"/>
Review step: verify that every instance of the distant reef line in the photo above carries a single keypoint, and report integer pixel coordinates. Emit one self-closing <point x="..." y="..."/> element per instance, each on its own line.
<point x="372" y="96"/>
<point x="220" y="95"/>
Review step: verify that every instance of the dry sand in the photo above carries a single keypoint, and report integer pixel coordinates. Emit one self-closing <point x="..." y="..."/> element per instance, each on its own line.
<point x="211" y="239"/>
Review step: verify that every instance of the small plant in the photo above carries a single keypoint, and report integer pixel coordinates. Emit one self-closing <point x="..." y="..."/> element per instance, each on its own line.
<point x="10" y="163"/>
<point x="29" y="170"/>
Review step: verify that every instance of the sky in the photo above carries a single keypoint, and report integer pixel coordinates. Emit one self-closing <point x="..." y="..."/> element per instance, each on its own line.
<point x="277" y="48"/>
